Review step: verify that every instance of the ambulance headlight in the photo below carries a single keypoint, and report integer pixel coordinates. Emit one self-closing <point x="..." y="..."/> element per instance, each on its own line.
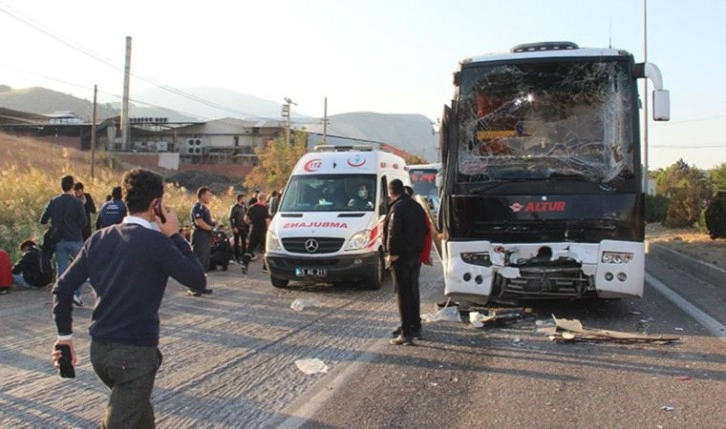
<point x="358" y="241"/>
<point x="616" y="257"/>
<point x="272" y="242"/>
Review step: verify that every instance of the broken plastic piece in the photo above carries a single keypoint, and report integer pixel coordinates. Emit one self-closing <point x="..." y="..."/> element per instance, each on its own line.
<point x="311" y="366"/>
<point x="447" y="314"/>
<point x="301" y="304"/>
<point x="667" y="408"/>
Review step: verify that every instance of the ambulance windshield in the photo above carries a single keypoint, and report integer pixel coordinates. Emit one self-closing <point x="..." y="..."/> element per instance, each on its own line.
<point x="330" y="193"/>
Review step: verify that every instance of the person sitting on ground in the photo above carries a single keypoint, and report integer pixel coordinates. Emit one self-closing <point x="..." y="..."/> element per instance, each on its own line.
<point x="221" y="251"/>
<point x="27" y="272"/>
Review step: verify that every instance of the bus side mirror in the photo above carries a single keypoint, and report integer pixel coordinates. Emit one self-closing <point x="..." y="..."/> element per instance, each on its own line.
<point x="661" y="105"/>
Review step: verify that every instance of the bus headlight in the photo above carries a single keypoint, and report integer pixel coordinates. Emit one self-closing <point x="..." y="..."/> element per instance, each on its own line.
<point x="616" y="257"/>
<point x="479" y="258"/>
<point x="358" y="241"/>
<point x="272" y="242"/>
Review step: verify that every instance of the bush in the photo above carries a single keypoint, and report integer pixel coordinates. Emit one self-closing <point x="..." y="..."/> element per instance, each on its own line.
<point x="716" y="216"/>
<point x="688" y="188"/>
<point x="656" y="208"/>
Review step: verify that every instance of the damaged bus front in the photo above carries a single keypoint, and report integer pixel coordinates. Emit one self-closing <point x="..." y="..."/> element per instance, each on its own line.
<point x="542" y="191"/>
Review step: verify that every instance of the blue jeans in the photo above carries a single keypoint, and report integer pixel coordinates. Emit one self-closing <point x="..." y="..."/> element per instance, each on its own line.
<point x="65" y="251"/>
<point x="19" y="280"/>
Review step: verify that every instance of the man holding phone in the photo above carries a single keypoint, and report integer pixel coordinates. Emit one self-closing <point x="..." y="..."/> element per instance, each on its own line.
<point x="129" y="265"/>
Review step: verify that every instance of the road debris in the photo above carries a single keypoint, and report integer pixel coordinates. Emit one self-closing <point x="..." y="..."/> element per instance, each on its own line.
<point x="667" y="408"/>
<point x="302" y="304"/>
<point x="497" y="316"/>
<point x="446" y="314"/>
<point x="568" y="330"/>
<point x="311" y="366"/>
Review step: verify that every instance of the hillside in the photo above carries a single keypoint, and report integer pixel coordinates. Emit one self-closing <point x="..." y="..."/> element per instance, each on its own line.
<point x="46" y="101"/>
<point x="410" y="132"/>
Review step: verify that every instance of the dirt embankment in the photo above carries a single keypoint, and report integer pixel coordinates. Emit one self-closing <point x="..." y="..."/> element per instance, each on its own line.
<point x="689" y="241"/>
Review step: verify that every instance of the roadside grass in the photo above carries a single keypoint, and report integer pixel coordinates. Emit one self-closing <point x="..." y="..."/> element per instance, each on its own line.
<point x="689" y="241"/>
<point x="30" y="173"/>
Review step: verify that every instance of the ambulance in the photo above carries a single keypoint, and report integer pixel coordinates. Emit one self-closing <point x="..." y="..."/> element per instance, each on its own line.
<point x="329" y="226"/>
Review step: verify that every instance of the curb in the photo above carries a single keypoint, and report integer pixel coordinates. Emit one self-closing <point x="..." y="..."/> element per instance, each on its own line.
<point x="703" y="271"/>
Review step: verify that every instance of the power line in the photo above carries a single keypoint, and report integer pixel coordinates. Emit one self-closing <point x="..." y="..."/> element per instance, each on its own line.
<point x="76" y="46"/>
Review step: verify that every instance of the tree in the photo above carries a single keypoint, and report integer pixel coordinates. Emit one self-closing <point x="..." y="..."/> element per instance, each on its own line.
<point x="276" y="161"/>
<point x="414" y="160"/>
<point x="688" y="189"/>
<point x="717" y="175"/>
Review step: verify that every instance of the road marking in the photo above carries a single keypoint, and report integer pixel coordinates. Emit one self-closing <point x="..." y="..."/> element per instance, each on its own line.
<point x="708" y="322"/>
<point x="299" y="414"/>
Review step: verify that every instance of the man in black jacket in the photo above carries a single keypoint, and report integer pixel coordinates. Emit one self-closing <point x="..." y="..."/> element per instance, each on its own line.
<point x="88" y="205"/>
<point x="67" y="213"/>
<point x="239" y="227"/>
<point x="404" y="232"/>
<point x="129" y="265"/>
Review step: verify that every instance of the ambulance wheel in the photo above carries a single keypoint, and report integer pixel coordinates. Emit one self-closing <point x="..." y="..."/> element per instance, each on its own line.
<point x="278" y="282"/>
<point x="375" y="281"/>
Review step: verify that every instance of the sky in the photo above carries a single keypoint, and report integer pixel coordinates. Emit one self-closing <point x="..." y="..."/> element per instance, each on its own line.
<point x="388" y="56"/>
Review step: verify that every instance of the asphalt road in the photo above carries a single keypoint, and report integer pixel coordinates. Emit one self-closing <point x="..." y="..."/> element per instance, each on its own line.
<point x="230" y="362"/>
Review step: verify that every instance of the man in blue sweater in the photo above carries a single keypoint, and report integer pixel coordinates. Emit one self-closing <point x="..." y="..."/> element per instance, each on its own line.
<point x="129" y="265"/>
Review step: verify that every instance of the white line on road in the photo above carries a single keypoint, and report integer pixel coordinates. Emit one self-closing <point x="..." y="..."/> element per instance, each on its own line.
<point x="708" y="322"/>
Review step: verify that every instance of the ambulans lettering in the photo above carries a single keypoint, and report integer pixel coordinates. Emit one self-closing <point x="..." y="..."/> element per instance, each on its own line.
<point x="341" y="225"/>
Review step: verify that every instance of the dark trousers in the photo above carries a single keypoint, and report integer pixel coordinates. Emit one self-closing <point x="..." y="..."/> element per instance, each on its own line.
<point x="129" y="371"/>
<point x="416" y="294"/>
<point x="257" y="238"/>
<point x="202" y="245"/>
<point x="240" y="243"/>
<point x="404" y="273"/>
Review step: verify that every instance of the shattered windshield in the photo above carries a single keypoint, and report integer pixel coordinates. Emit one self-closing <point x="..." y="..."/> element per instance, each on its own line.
<point x="534" y="121"/>
<point x="330" y="192"/>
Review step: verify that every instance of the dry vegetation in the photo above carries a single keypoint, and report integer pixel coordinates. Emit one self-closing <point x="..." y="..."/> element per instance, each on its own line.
<point x="30" y="173"/>
<point x="689" y="241"/>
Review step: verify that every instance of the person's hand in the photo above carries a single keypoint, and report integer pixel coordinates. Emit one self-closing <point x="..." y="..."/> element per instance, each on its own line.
<point x="392" y="258"/>
<point x="235" y="230"/>
<point x="171" y="226"/>
<point x="56" y="355"/>
<point x="428" y="261"/>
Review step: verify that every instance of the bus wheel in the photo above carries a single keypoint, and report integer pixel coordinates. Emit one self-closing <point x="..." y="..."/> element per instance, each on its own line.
<point x="375" y="281"/>
<point x="278" y="282"/>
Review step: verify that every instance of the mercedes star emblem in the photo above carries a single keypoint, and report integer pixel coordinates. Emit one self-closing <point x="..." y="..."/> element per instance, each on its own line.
<point x="311" y="245"/>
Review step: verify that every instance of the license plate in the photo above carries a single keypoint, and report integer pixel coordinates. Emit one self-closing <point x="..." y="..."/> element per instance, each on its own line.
<point x="311" y="272"/>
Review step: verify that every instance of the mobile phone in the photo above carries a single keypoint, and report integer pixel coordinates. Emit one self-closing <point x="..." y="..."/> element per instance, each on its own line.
<point x="66" y="367"/>
<point x="159" y="211"/>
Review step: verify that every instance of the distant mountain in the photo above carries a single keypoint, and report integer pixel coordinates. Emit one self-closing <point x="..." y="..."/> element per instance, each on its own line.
<point x="213" y="103"/>
<point x="45" y="101"/>
<point x="410" y="132"/>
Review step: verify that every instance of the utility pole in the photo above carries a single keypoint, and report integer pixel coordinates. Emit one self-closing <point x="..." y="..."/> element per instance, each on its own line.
<point x="325" y="121"/>
<point x="93" y="132"/>
<point x="125" y="123"/>
<point x="286" y="114"/>
<point x="645" y="99"/>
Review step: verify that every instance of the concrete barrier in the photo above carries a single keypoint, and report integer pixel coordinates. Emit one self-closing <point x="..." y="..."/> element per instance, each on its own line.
<point x="704" y="271"/>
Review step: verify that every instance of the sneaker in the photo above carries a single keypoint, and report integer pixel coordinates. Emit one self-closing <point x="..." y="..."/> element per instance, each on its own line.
<point x="207" y="291"/>
<point x="244" y="269"/>
<point x="77" y="300"/>
<point x="193" y="293"/>
<point x="416" y="333"/>
<point x="401" y="341"/>
<point x="254" y="257"/>
<point x="397" y="332"/>
<point x="264" y="269"/>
